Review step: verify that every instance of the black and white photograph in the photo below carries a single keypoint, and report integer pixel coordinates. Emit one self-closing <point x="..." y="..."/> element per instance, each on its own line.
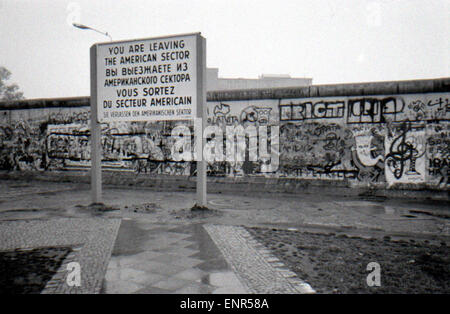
<point x="234" y="154"/>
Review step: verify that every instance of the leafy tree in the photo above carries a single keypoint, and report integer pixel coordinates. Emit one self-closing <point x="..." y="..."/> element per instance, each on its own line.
<point x="11" y="91"/>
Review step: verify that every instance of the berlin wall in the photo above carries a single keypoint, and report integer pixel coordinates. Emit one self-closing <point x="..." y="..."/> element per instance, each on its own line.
<point x="387" y="134"/>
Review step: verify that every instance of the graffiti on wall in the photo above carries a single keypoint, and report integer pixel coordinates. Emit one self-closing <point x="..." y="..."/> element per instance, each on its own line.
<point x="405" y="156"/>
<point x="308" y="110"/>
<point x="316" y="150"/>
<point x="368" y="153"/>
<point x="21" y="147"/>
<point x="223" y="114"/>
<point x="386" y="136"/>
<point x="263" y="112"/>
<point x="373" y="109"/>
<point x="61" y="140"/>
<point x="139" y="146"/>
<point x="386" y="139"/>
<point x="332" y="151"/>
<point x="438" y="154"/>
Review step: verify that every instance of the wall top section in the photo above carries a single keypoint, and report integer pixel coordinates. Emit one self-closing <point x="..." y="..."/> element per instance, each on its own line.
<point x="331" y="90"/>
<point x="67" y="102"/>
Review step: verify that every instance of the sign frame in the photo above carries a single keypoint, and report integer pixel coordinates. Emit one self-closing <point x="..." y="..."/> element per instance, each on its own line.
<point x="198" y="116"/>
<point x="138" y="107"/>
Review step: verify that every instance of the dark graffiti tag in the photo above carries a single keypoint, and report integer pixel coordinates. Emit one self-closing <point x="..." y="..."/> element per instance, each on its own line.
<point x="374" y="110"/>
<point x="223" y="115"/>
<point x="402" y="151"/>
<point x="312" y="110"/>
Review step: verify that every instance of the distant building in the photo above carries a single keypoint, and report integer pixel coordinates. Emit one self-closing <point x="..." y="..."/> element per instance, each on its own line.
<point x="214" y="82"/>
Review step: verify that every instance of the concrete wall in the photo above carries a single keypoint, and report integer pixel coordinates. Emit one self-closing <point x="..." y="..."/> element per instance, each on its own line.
<point x="389" y="134"/>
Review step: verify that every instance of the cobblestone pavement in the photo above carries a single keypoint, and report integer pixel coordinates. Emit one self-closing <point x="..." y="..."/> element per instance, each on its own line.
<point x="164" y="247"/>
<point x="90" y="239"/>
<point x="256" y="266"/>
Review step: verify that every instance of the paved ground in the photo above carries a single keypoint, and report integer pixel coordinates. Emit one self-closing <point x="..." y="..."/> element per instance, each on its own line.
<point x="258" y="268"/>
<point x="164" y="247"/>
<point x="164" y="258"/>
<point x="90" y="238"/>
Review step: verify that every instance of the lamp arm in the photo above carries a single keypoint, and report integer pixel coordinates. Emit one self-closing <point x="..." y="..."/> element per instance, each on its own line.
<point x="103" y="33"/>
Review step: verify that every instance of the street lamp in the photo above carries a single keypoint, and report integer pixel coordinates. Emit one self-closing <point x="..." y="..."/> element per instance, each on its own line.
<point x="81" y="26"/>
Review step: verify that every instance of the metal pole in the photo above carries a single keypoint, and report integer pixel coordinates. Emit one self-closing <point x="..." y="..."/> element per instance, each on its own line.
<point x="201" y="115"/>
<point x="96" y="149"/>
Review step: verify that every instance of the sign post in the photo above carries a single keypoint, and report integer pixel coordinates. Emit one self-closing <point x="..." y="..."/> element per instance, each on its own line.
<point x="152" y="79"/>
<point x="96" y="149"/>
<point x="201" y="115"/>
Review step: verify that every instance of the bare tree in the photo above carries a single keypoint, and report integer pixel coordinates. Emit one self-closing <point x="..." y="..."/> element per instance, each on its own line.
<point x="11" y="91"/>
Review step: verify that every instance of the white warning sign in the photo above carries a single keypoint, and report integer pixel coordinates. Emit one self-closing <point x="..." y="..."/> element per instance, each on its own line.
<point x="147" y="80"/>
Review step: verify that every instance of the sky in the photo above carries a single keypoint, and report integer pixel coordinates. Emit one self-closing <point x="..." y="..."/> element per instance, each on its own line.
<point x="336" y="41"/>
